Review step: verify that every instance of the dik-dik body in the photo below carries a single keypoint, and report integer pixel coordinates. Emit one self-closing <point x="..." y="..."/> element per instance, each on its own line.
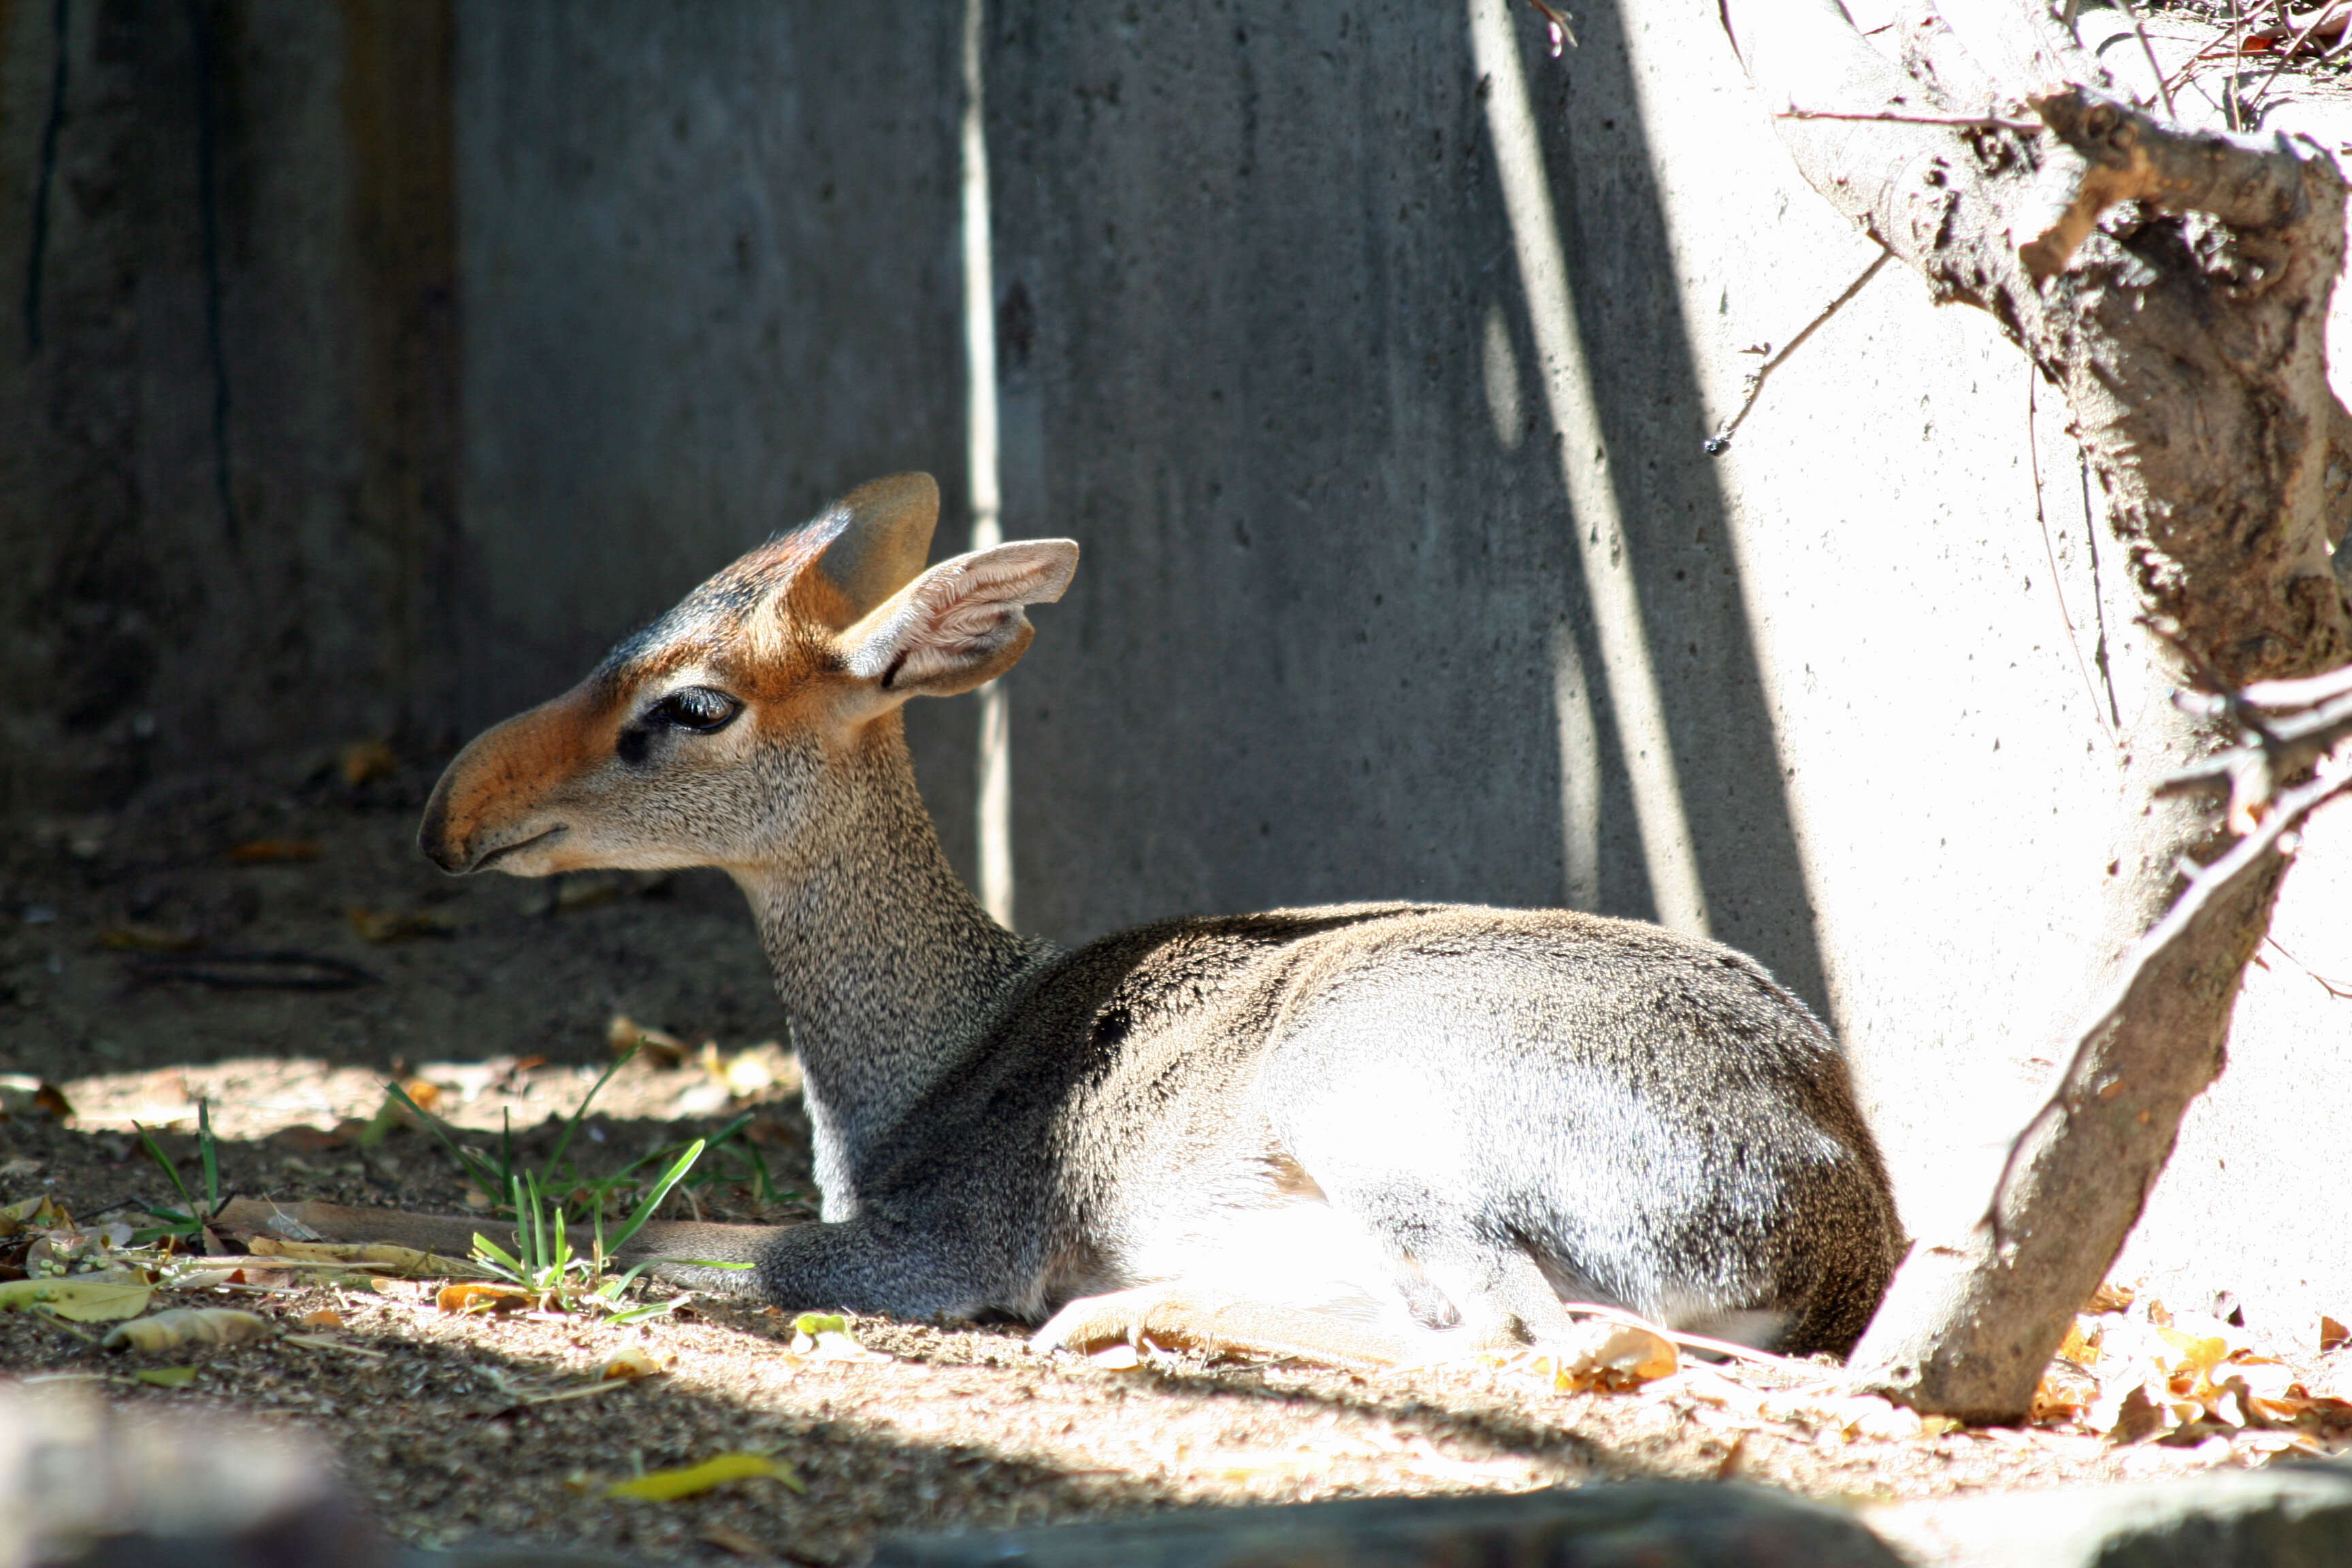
<point x="1361" y="1133"/>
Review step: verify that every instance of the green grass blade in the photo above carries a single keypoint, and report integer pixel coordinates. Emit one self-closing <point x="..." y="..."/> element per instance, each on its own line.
<point x="645" y="1210"/>
<point x="170" y="1171"/>
<point x="499" y="1258"/>
<point x="211" y="1155"/>
<point x="651" y="1309"/>
<point x="564" y="1139"/>
<point x="481" y="1176"/>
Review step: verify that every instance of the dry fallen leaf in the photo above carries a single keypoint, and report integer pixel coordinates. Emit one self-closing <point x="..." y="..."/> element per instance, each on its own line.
<point x="380" y="1258"/>
<point x="632" y="1363"/>
<point x="381" y="926"/>
<point x="364" y="759"/>
<point x="2333" y="1335"/>
<point x="825" y="1336"/>
<point x="324" y="1318"/>
<point x="658" y="1047"/>
<point x="472" y="1296"/>
<point x="668" y="1485"/>
<point x="258" y="851"/>
<point x="22" y="1093"/>
<point x="1609" y="1355"/>
<point x="184" y="1326"/>
<point x="83" y="1300"/>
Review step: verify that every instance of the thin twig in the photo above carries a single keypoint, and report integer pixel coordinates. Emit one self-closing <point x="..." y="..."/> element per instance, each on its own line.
<point x="1720" y="442"/>
<point x="1964" y="122"/>
<point x="2050" y="551"/>
<point x="2098" y="591"/>
<point x="2339" y="991"/>
<point x="2286" y="55"/>
<point x="2154" y="69"/>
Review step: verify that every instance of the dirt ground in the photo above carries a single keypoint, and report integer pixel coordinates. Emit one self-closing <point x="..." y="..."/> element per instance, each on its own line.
<point x="492" y="1003"/>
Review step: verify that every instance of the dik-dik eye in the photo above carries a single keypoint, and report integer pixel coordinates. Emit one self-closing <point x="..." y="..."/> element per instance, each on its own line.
<point x="696" y="708"/>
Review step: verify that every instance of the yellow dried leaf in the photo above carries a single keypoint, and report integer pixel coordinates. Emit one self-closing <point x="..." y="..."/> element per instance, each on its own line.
<point x="2082" y="1341"/>
<point x="2111" y="1297"/>
<point x="324" y="1318"/>
<point x="656" y="1046"/>
<point x="94" y="1301"/>
<point x="1603" y="1354"/>
<point x="668" y="1485"/>
<point x="825" y="1336"/>
<point x="184" y="1326"/>
<point x="632" y="1363"/>
<point x="2198" y="1354"/>
<point x="2064" y="1394"/>
<point x="166" y="1376"/>
<point x="474" y="1297"/>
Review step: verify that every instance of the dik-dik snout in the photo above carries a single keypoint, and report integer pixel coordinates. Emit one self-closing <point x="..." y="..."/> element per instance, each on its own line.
<point x="707" y="738"/>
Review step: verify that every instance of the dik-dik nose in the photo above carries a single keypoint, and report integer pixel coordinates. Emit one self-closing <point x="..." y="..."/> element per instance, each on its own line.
<point x="487" y="801"/>
<point x="443" y="847"/>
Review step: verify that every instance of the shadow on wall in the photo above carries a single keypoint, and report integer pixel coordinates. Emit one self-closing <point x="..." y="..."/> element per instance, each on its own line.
<point x="1345" y="339"/>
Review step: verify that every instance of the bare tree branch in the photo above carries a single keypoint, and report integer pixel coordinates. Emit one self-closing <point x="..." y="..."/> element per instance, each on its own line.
<point x="2174" y="283"/>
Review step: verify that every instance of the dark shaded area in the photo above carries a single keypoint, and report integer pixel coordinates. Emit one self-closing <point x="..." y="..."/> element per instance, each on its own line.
<point x="394" y="362"/>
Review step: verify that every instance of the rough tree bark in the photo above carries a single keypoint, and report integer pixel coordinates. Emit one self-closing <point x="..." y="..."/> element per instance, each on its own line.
<point x="2174" y="284"/>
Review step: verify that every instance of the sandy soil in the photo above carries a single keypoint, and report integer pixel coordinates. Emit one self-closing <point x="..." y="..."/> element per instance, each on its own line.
<point x="496" y="1008"/>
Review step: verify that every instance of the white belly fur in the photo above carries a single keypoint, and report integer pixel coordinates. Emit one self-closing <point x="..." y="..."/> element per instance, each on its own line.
<point x="1302" y="1253"/>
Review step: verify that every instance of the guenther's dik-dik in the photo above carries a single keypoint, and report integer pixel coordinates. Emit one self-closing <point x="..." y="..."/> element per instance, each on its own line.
<point x="1360" y="1133"/>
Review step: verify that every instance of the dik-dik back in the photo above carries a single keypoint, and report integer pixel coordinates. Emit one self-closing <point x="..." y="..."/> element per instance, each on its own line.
<point x="1356" y="1133"/>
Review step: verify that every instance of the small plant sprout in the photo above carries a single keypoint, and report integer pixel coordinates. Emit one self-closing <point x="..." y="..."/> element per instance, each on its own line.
<point x="497" y="1179"/>
<point x="187" y="1222"/>
<point x="545" y="1264"/>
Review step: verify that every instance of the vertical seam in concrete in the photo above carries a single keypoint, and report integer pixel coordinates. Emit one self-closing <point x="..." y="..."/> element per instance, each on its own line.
<point x="1667" y="851"/>
<point x="994" y="794"/>
<point x="52" y="126"/>
<point x="208" y="215"/>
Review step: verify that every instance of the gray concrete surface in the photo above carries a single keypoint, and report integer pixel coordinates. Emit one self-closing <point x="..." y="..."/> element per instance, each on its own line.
<point x="1378" y="417"/>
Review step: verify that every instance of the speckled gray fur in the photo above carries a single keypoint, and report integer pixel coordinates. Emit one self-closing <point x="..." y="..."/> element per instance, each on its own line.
<point x="1509" y="1108"/>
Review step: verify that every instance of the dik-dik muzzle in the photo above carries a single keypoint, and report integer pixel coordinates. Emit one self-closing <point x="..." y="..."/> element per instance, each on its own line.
<point x="701" y="740"/>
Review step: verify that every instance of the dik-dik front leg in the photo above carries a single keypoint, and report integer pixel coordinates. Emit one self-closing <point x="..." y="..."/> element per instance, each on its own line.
<point x="864" y="1265"/>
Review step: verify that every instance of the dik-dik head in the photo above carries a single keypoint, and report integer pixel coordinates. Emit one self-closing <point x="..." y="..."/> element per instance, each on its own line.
<point x="708" y="739"/>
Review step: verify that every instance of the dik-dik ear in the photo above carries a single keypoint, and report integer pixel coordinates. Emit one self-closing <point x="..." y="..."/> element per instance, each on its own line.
<point x="881" y="537"/>
<point x="961" y="623"/>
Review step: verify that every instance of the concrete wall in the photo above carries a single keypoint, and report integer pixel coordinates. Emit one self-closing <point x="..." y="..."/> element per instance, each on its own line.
<point x="1368" y="350"/>
<point x="710" y="280"/>
<point x="227" y="490"/>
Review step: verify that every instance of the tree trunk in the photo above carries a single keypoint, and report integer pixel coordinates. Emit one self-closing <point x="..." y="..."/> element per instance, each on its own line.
<point x="2174" y="284"/>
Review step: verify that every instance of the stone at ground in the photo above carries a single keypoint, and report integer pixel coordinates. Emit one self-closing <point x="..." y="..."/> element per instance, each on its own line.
<point x="2291" y="1517"/>
<point x="1652" y="1524"/>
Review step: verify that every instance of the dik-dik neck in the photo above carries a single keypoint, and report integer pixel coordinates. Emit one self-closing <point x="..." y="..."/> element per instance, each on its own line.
<point x="887" y="965"/>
